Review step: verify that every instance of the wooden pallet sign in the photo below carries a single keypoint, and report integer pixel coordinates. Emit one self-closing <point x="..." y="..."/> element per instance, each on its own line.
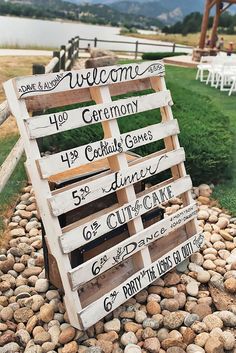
<point x="106" y="250"/>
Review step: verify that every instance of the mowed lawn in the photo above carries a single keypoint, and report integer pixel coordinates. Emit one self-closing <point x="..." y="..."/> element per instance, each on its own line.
<point x="225" y="192"/>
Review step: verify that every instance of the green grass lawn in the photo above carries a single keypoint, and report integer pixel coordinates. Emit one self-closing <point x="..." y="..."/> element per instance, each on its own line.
<point x="225" y="191"/>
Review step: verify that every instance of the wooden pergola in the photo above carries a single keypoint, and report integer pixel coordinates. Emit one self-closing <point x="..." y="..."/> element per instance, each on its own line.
<point x="220" y="7"/>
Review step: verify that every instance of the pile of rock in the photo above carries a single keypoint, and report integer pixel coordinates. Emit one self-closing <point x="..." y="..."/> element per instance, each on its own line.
<point x="99" y="57"/>
<point x="191" y="310"/>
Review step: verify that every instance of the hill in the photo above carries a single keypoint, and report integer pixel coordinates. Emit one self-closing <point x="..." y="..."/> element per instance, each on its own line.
<point x="168" y="11"/>
<point x="88" y="13"/>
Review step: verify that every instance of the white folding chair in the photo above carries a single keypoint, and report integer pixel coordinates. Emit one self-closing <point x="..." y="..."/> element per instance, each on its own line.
<point x="224" y="76"/>
<point x="204" y="66"/>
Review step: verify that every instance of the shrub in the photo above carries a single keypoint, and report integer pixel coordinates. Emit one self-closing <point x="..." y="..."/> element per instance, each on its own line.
<point x="159" y="56"/>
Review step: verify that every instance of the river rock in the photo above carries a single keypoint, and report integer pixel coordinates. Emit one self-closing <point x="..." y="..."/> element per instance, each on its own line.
<point x="230" y="285"/>
<point x="11" y="348"/>
<point x="201" y="310"/>
<point x="22" y="337"/>
<point x="132" y="348"/>
<point x="213" y="345"/>
<point x="41" y="285"/>
<point x="153" y="307"/>
<point x="23" y="314"/>
<point x="6" y="314"/>
<point x="71" y="347"/>
<point x="212" y="321"/>
<point x="203" y="276"/>
<point x="46" y="312"/>
<point x="190" y="319"/>
<point x="193" y="348"/>
<point x="127" y="338"/>
<point x="192" y="289"/>
<point x="228" y="340"/>
<point x="173" y="320"/>
<point x="154" y="324"/>
<point x="67" y="335"/>
<point x="152" y="345"/>
<point x="228" y="318"/>
<point x="42" y="337"/>
<point x="113" y="325"/>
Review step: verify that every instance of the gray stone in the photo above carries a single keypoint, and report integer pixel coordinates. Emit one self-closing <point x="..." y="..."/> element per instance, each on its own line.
<point x="190" y="319"/>
<point x="11" y="347"/>
<point x="140" y="316"/>
<point x="192" y="288"/>
<point x="22" y="337"/>
<point x="193" y="348"/>
<point x="128" y="337"/>
<point x="151" y="323"/>
<point x="113" y="325"/>
<point x="42" y="285"/>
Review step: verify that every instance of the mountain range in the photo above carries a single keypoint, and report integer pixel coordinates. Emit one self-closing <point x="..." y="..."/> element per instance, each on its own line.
<point x="168" y="11"/>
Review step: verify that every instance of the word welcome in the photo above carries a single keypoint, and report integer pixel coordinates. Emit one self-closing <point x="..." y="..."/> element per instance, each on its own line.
<point x="32" y="85"/>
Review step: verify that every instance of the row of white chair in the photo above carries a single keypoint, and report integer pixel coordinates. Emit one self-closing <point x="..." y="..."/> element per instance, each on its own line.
<point x="219" y="71"/>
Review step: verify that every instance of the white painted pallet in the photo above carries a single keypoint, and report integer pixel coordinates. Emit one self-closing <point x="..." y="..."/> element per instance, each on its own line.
<point x="117" y="269"/>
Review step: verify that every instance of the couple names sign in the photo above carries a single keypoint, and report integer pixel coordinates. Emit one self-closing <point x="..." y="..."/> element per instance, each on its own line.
<point x="87" y="287"/>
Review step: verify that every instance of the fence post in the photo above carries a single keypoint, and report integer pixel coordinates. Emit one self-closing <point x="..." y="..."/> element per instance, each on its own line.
<point x="77" y="46"/>
<point x="95" y="42"/>
<point x="136" y="50"/>
<point x="63" y="58"/>
<point x="57" y="67"/>
<point x="173" y="50"/>
<point x="71" y="50"/>
<point x="38" y="69"/>
<point x="69" y="57"/>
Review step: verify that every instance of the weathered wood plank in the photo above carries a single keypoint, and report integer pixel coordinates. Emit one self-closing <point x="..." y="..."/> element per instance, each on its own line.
<point x="67" y="81"/>
<point x="83" y="233"/>
<point x="48" y="124"/>
<point x="139" y="281"/>
<point x="4" y="112"/>
<point x="120" y="252"/>
<point x="76" y="157"/>
<point x="70" y="198"/>
<point x="8" y="166"/>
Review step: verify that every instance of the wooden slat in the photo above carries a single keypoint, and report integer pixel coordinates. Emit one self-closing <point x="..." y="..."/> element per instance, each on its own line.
<point x="139" y="281"/>
<point x="8" y="166"/>
<point x="76" y="157"/>
<point x="120" y="252"/>
<point x="65" y="81"/>
<point x="83" y="232"/>
<point x="48" y="124"/>
<point x="60" y="99"/>
<point x="74" y="196"/>
<point x="4" y="112"/>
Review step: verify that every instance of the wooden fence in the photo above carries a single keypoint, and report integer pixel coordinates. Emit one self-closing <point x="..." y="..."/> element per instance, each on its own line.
<point x="134" y="47"/>
<point x="62" y="60"/>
